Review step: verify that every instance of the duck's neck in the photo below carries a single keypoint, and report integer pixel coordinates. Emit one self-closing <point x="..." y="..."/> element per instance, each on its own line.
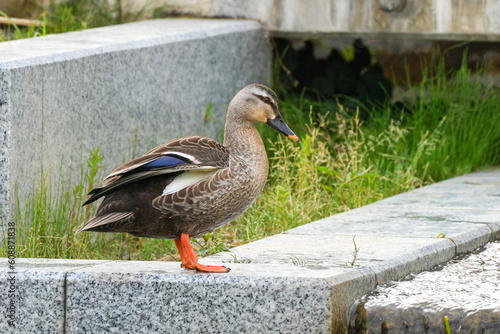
<point x="243" y="140"/>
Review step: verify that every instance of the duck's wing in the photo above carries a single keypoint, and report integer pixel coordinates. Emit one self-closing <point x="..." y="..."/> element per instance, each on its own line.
<point x="199" y="155"/>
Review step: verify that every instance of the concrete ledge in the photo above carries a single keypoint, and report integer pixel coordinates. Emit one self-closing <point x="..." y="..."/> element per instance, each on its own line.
<point x="295" y="282"/>
<point x="438" y="20"/>
<point x="122" y="88"/>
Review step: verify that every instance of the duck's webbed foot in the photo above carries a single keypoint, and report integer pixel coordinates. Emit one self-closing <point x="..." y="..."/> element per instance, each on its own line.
<point x="190" y="260"/>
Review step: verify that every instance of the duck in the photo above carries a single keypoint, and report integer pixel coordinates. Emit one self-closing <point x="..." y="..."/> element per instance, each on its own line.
<point x="192" y="185"/>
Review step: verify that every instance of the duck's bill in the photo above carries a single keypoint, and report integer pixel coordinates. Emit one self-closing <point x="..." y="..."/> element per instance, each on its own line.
<point x="279" y="125"/>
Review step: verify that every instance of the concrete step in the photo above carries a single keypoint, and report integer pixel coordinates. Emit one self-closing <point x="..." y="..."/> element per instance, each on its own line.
<point x="300" y="281"/>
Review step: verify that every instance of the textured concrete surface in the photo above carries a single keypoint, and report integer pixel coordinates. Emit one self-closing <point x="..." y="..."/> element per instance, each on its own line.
<point x="39" y="286"/>
<point x="122" y="88"/>
<point x="300" y="281"/>
<point x="441" y="20"/>
<point x="154" y="297"/>
<point x="466" y="290"/>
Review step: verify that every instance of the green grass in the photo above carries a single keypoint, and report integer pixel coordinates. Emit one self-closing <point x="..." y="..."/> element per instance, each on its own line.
<point x="47" y="224"/>
<point x="71" y="15"/>
<point x="450" y="128"/>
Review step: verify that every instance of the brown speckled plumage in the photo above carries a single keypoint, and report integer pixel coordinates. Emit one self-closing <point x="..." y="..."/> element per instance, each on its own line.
<point x="147" y="196"/>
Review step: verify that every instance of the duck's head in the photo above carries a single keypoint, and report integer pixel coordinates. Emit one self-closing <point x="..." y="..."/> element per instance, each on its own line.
<point x="258" y="103"/>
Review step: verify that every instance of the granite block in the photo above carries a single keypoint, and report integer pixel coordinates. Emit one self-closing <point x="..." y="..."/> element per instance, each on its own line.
<point x="26" y="132"/>
<point x="146" y="298"/>
<point x="462" y="186"/>
<point x="416" y="261"/>
<point x="401" y="221"/>
<point x="4" y="142"/>
<point x="39" y="302"/>
<point x="39" y="288"/>
<point x="495" y="231"/>
<point x="386" y="257"/>
<point x="484" y="177"/>
<point x="326" y="251"/>
<point x="443" y="200"/>
<point x="123" y="89"/>
<point x="462" y="193"/>
<point x="471" y="240"/>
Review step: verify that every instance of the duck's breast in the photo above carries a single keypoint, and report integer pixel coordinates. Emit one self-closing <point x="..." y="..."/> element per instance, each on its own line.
<point x="217" y="199"/>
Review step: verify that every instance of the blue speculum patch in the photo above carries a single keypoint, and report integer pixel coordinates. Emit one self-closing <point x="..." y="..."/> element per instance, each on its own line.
<point x="164" y="162"/>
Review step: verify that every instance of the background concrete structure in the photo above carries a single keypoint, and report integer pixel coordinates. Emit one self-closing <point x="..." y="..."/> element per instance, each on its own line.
<point x="443" y="19"/>
<point x="300" y="281"/>
<point x="123" y="89"/>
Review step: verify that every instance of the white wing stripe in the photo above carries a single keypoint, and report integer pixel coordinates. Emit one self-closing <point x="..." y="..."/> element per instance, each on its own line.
<point x="183" y="155"/>
<point x="187" y="179"/>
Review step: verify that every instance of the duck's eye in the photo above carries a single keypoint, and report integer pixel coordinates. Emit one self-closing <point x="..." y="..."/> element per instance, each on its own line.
<point x="266" y="100"/>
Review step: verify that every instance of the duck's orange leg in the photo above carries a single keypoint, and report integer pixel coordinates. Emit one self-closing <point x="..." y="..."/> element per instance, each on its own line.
<point x="190" y="260"/>
<point x="182" y="253"/>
